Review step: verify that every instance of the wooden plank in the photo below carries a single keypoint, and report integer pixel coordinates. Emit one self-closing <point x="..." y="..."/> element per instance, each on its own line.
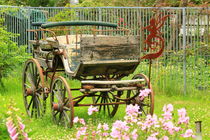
<point x="113" y="103"/>
<point x="97" y="82"/>
<point x="91" y="68"/>
<point x="110" y="62"/>
<point x="88" y="68"/>
<point x="109" y="41"/>
<point x="109" y="48"/>
<point x="108" y="89"/>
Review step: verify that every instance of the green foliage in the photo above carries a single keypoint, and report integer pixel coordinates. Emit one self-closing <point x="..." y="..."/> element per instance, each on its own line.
<point x="34" y="3"/>
<point x="64" y="15"/>
<point x="98" y="3"/>
<point x="13" y="2"/>
<point x="168" y="74"/>
<point x="10" y="54"/>
<point x="38" y="3"/>
<point x="92" y="3"/>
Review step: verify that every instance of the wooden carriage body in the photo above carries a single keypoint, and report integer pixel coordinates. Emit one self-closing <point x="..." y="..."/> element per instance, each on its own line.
<point x="89" y="54"/>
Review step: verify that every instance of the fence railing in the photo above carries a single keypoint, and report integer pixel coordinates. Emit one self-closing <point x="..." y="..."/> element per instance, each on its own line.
<point x="184" y="67"/>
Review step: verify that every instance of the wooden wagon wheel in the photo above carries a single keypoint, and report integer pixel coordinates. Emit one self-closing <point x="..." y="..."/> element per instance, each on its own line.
<point x="147" y="104"/>
<point x="106" y="98"/>
<point x="33" y="89"/>
<point x="61" y="102"/>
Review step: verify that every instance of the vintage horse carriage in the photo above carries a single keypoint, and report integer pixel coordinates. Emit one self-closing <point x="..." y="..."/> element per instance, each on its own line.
<point x="99" y="55"/>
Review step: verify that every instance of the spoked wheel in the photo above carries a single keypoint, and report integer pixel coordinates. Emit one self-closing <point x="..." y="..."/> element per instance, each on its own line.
<point x="146" y="104"/>
<point x="33" y="89"/>
<point x="61" y="103"/>
<point x="105" y="98"/>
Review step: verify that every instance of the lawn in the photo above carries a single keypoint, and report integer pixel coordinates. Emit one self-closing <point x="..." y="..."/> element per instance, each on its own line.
<point x="43" y="128"/>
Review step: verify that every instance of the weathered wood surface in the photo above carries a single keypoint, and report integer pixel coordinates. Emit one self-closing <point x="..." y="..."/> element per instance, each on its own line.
<point x="109" y="89"/>
<point x="98" y="82"/>
<point x="44" y="44"/>
<point x="102" y="68"/>
<point x="109" y="48"/>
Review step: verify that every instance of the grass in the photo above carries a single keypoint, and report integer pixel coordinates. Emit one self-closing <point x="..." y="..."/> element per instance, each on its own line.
<point x="44" y="128"/>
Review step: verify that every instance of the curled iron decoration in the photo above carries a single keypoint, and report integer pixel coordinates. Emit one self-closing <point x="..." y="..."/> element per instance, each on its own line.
<point x="154" y="27"/>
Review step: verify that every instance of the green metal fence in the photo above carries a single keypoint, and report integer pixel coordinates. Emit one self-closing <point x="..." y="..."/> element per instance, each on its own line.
<point x="184" y="67"/>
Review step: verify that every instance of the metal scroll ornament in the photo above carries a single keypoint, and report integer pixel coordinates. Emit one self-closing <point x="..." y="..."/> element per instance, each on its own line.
<point x="154" y="39"/>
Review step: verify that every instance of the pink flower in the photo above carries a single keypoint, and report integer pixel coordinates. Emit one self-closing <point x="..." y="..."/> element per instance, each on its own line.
<point x="167" y="111"/>
<point x="76" y="119"/>
<point x="183" y="120"/>
<point x="99" y="126"/>
<point x="152" y="138"/>
<point x="182" y="112"/>
<point x="188" y="133"/>
<point x="131" y="119"/>
<point x="12" y="131"/>
<point x="105" y="127"/>
<point x="105" y="134"/>
<point x="165" y="138"/>
<point x="134" y="134"/>
<point x="92" y="109"/>
<point x="120" y="125"/>
<point x="15" y="137"/>
<point x="115" y="134"/>
<point x="118" y="128"/>
<point x="81" y="131"/>
<point x="125" y="137"/>
<point x="22" y="126"/>
<point x="132" y="110"/>
<point x="177" y="129"/>
<point x="182" y="116"/>
<point x="169" y="126"/>
<point x="94" y="133"/>
<point x="167" y="115"/>
<point x="168" y="108"/>
<point x="144" y="93"/>
<point x="154" y="134"/>
<point x="10" y="126"/>
<point x="150" y="121"/>
<point x="19" y="119"/>
<point x="80" y="120"/>
<point x="25" y="134"/>
<point x="9" y="123"/>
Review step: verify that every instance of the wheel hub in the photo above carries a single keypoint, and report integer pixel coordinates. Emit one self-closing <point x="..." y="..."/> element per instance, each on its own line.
<point x="58" y="107"/>
<point x="29" y="91"/>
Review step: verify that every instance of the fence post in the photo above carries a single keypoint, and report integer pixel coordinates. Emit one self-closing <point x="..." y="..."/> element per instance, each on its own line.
<point x="184" y="47"/>
<point x="100" y="17"/>
<point x="198" y="130"/>
<point x="28" y="27"/>
<point x="100" y="14"/>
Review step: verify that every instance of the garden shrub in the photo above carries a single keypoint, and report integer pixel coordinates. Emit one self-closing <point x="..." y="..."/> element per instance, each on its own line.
<point x="11" y="55"/>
